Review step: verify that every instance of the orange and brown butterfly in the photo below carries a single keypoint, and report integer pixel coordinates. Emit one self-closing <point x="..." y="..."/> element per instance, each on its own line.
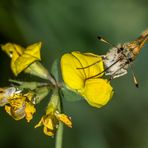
<point x="119" y="58"/>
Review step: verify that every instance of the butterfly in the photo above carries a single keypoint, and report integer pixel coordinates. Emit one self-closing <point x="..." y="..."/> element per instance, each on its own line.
<point x="119" y="58"/>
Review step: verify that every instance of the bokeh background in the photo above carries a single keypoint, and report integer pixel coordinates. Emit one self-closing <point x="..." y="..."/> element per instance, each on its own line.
<point x="64" y="26"/>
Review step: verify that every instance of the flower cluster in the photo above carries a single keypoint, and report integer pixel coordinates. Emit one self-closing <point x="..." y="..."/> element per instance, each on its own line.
<point x="17" y="104"/>
<point x="51" y="119"/>
<point x="19" y="101"/>
<point x="84" y="74"/>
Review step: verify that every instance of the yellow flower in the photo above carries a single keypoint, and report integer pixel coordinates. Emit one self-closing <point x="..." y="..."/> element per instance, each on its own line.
<point x="20" y="107"/>
<point x="51" y="119"/>
<point x="79" y="71"/>
<point x="22" y="57"/>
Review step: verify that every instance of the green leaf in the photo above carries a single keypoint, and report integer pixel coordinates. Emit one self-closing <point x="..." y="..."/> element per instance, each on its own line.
<point x="70" y="95"/>
<point x="55" y="69"/>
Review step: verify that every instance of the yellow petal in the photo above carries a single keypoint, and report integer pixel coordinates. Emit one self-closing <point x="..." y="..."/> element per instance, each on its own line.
<point x="29" y="110"/>
<point x="93" y="63"/>
<point x="48" y="128"/>
<point x="17" y="101"/>
<point x="22" y="63"/>
<point x="34" y="50"/>
<point x="11" y="48"/>
<point x="72" y="77"/>
<point x="97" y="92"/>
<point x="48" y="122"/>
<point x="90" y="65"/>
<point x="65" y="119"/>
<point x="14" y="51"/>
<point x="40" y="123"/>
<point x="16" y="107"/>
<point x="48" y="132"/>
<point x="8" y="109"/>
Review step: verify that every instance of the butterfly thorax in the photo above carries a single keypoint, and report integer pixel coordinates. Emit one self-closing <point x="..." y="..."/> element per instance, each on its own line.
<point x="117" y="60"/>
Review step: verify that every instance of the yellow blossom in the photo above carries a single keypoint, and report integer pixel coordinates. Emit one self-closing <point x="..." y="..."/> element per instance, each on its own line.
<point x="51" y="119"/>
<point x="20" y="107"/>
<point x="79" y="71"/>
<point x="21" y="57"/>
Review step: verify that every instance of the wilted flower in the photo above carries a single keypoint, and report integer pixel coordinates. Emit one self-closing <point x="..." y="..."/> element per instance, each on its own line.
<point x="51" y="119"/>
<point x="77" y="70"/>
<point x="17" y="103"/>
<point x="19" y="106"/>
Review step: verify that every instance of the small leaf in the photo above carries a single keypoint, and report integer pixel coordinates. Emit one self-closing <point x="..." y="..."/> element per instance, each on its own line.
<point x="55" y="69"/>
<point x="70" y="95"/>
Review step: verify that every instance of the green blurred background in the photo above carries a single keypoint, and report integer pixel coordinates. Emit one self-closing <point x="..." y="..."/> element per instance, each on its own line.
<point x="67" y="25"/>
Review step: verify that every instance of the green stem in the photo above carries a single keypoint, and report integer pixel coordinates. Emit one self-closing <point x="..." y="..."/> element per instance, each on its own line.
<point x="59" y="134"/>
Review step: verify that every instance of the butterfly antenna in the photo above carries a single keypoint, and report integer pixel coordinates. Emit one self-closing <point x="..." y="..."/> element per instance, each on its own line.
<point x="105" y="41"/>
<point x="134" y="76"/>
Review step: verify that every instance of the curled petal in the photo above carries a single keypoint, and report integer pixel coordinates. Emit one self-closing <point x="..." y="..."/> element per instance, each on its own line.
<point x="48" y="132"/>
<point x="34" y="50"/>
<point x="11" y="48"/>
<point x="21" y="58"/>
<point x="50" y="121"/>
<point x="64" y="118"/>
<point x="29" y="111"/>
<point x="40" y="123"/>
<point x="49" y="125"/>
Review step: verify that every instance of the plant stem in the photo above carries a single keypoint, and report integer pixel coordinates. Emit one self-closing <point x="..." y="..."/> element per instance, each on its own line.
<point x="59" y="134"/>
